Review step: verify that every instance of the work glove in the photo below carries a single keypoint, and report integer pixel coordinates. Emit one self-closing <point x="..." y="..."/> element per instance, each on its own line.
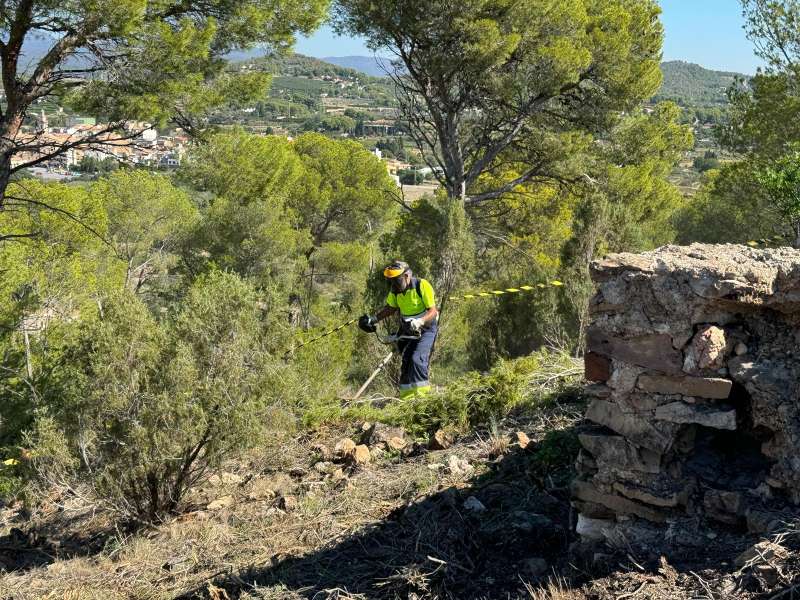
<point x="416" y="325"/>
<point x="368" y="323"/>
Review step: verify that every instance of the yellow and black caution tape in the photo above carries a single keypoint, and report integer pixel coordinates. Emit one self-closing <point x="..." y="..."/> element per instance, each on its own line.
<point x="517" y="290"/>
<point x="487" y="294"/>
<point x="775" y="240"/>
<point x="319" y="337"/>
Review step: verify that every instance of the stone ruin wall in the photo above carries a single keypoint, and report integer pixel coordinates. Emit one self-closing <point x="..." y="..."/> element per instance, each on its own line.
<point x="694" y="419"/>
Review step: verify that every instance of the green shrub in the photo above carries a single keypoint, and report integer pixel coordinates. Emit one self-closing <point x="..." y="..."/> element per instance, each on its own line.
<point x="556" y="455"/>
<point x="50" y="462"/>
<point x="479" y="399"/>
<point x="476" y="400"/>
<point x="148" y="408"/>
<point x="10" y="482"/>
<point x="9" y="486"/>
<point x="410" y="177"/>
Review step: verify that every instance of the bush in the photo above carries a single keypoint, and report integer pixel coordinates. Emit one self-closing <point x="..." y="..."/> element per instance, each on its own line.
<point x="556" y="456"/>
<point x="480" y="399"/>
<point x="731" y="206"/>
<point x="10" y="482"/>
<point x="410" y="177"/>
<point x="706" y="163"/>
<point x="146" y="409"/>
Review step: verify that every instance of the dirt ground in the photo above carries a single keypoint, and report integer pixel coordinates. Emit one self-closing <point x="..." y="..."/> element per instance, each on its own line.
<point x="484" y="518"/>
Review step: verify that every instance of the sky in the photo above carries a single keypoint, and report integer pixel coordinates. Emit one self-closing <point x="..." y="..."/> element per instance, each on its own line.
<point x="709" y="33"/>
<point x="706" y="32"/>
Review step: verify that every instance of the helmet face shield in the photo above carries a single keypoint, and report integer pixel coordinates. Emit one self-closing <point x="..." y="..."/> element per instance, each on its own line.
<point x="396" y="274"/>
<point x="392" y="273"/>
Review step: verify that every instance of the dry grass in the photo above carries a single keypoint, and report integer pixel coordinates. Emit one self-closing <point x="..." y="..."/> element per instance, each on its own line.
<point x="196" y="547"/>
<point x="391" y="530"/>
<point x="495" y="446"/>
<point x="396" y="528"/>
<point x="556" y="589"/>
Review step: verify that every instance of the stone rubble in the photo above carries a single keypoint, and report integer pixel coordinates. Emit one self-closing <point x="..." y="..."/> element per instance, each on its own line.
<point x="694" y="364"/>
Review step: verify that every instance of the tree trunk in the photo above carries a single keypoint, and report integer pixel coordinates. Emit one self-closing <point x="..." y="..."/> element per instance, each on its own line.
<point x="9" y="128"/>
<point x="5" y="177"/>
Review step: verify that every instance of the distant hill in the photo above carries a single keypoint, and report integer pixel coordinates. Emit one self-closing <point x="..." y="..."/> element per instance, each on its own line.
<point x="685" y="83"/>
<point x="299" y="65"/>
<point x="304" y="79"/>
<point x="689" y="84"/>
<point x="371" y="65"/>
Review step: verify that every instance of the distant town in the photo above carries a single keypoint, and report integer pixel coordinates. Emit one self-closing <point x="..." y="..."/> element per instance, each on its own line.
<point x="311" y="95"/>
<point x="139" y="145"/>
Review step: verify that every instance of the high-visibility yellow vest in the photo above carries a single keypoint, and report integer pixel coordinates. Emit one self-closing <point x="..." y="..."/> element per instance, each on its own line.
<point x="415" y="300"/>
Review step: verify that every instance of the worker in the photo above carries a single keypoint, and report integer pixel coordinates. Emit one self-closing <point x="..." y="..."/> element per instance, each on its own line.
<point x="414" y="300"/>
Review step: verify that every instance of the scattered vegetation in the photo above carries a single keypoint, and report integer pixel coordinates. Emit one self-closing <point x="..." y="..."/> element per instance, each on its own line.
<point x="151" y="325"/>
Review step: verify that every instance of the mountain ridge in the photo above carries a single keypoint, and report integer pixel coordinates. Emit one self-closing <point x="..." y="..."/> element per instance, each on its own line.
<point x="684" y="82"/>
<point x="375" y="66"/>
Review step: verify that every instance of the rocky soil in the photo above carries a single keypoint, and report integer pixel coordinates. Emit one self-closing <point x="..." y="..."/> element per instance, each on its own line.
<point x="357" y="511"/>
<point x="485" y="516"/>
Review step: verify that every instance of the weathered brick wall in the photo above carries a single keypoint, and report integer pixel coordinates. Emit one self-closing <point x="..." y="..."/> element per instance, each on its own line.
<point x="695" y="416"/>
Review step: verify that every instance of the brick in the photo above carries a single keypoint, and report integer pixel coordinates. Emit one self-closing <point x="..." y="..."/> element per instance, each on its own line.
<point x="632" y="426"/>
<point x="722" y="417"/>
<point x="619" y="453"/>
<point x="701" y="387"/>
<point x="650" y="351"/>
<point x="586" y="492"/>
<point x="596" y="367"/>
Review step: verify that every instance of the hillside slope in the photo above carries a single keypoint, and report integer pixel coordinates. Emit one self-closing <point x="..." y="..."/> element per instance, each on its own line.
<point x="690" y="84"/>
<point x="686" y="83"/>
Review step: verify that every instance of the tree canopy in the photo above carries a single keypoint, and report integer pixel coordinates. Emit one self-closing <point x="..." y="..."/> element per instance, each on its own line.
<point x="487" y="85"/>
<point x="762" y="130"/>
<point x="124" y="60"/>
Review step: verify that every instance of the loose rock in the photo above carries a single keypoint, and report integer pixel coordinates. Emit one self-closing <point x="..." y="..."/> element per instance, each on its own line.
<point x="225" y="479"/>
<point x="380" y="434"/>
<point x="324" y="468"/>
<point x="474" y="505"/>
<point x="768" y="574"/>
<point x="593" y="529"/>
<point x="288" y="503"/>
<point x="459" y="466"/>
<point x="325" y="454"/>
<point x="344" y="448"/>
<point x="706" y="350"/>
<point x="221" y="503"/>
<point x="361" y="455"/>
<point x="761" y="552"/>
<point x="260" y="490"/>
<point x="440" y="440"/>
<point x="396" y="444"/>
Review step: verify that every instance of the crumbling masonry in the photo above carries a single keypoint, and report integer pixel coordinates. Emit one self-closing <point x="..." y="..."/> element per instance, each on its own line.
<point x="695" y="410"/>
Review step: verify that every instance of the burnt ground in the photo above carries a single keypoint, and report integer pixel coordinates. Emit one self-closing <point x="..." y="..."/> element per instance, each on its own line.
<point x="279" y="526"/>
